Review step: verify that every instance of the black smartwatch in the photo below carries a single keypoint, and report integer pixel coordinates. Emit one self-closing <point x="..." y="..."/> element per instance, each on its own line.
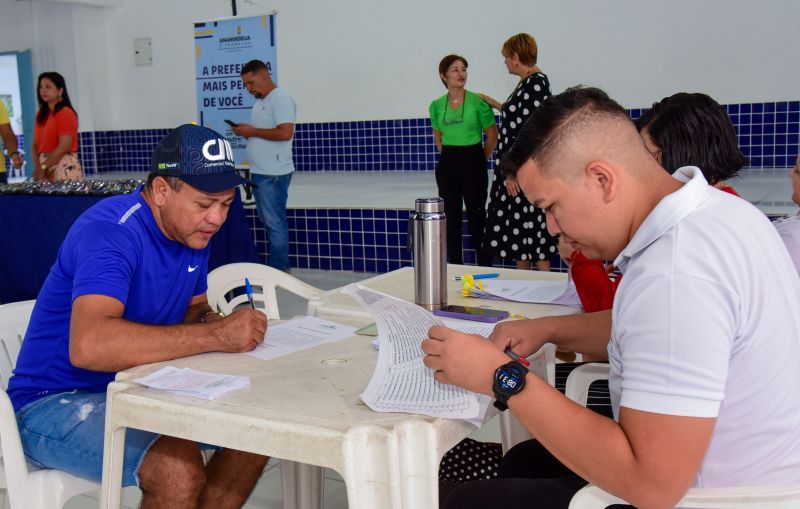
<point x="509" y="379"/>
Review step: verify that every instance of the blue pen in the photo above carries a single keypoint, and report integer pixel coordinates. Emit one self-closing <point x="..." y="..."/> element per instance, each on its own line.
<point x="249" y="292"/>
<point x="479" y="276"/>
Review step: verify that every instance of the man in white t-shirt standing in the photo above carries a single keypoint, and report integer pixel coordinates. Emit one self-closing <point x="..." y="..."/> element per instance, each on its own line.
<point x="269" y="151"/>
<point x="705" y="328"/>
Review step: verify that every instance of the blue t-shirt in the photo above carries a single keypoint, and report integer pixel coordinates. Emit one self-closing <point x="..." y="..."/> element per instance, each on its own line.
<point x="267" y="157"/>
<point x="115" y="249"/>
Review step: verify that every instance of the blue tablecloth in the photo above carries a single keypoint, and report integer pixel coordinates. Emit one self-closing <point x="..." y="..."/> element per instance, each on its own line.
<point x="33" y="227"/>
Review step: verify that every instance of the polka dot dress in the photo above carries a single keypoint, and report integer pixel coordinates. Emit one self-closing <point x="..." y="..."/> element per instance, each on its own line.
<point x="515" y="229"/>
<point x="470" y="460"/>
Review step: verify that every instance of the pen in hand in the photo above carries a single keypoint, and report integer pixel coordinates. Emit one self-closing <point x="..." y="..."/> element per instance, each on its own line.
<point x="249" y="290"/>
<point x="511" y="353"/>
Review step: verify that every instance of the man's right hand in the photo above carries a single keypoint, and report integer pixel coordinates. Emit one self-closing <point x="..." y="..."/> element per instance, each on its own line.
<point x="522" y="336"/>
<point x="241" y="331"/>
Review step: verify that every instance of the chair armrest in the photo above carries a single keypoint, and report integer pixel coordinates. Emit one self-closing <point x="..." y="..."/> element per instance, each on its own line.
<point x="761" y="497"/>
<point x="592" y="497"/>
<point x="579" y="380"/>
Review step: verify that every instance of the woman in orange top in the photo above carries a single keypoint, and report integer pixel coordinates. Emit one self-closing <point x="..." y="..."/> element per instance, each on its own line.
<point x="55" y="134"/>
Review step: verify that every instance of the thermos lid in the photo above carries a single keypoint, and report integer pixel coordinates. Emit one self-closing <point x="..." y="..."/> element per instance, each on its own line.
<point x="429" y="205"/>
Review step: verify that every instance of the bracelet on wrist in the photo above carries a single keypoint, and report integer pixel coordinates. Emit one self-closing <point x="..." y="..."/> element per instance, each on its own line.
<point x="211" y="312"/>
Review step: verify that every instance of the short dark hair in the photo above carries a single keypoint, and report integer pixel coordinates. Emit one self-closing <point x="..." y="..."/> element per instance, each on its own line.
<point x="254" y="66"/>
<point x="174" y="182"/>
<point x="447" y="61"/>
<point x="693" y="129"/>
<point x="551" y="123"/>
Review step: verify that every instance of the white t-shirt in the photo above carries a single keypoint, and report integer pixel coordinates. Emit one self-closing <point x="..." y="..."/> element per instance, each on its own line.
<point x="269" y="157"/>
<point x="706" y="323"/>
<point x="789" y="230"/>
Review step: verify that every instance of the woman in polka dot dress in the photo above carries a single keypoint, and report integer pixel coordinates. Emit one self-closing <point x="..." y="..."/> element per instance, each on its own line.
<point x="515" y="229"/>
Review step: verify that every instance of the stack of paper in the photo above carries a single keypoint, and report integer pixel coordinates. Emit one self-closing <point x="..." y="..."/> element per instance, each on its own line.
<point x="535" y="292"/>
<point x="188" y="382"/>
<point x="299" y="334"/>
<point x="401" y="382"/>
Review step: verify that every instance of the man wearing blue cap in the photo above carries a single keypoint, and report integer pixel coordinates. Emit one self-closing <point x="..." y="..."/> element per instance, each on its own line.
<point x="129" y="288"/>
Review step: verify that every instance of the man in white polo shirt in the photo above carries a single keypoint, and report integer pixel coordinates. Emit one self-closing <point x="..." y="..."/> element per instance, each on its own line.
<point x="705" y="329"/>
<point x="269" y="151"/>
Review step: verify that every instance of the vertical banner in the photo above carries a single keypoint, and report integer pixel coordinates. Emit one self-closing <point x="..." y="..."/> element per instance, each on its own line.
<point x="222" y="47"/>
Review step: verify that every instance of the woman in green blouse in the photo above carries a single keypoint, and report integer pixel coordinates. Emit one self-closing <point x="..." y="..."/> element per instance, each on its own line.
<point x="459" y="118"/>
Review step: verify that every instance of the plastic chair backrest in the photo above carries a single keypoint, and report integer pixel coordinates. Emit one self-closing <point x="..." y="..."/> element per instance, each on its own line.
<point x="14" y="320"/>
<point x="581" y="378"/>
<point x="40" y="489"/>
<point x="226" y="289"/>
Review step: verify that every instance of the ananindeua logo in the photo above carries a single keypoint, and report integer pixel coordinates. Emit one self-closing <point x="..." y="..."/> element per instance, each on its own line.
<point x="221" y="149"/>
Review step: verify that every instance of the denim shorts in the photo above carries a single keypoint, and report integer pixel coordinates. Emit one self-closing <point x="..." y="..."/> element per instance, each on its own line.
<point x="65" y="431"/>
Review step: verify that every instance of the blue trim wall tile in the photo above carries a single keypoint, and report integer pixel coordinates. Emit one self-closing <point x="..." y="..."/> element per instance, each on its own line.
<point x="376" y="242"/>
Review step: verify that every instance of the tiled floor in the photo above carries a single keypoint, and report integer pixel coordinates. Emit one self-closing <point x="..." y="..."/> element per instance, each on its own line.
<point x="267" y="494"/>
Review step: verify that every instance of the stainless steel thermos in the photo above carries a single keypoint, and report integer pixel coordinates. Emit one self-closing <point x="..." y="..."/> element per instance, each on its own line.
<point x="427" y="239"/>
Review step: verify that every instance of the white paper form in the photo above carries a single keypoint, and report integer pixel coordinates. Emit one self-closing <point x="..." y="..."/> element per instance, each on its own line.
<point x="401" y="382"/>
<point x="534" y="292"/>
<point x="299" y="334"/>
<point x="188" y="382"/>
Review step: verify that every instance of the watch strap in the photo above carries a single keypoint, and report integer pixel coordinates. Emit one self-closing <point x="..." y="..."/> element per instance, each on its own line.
<point x="501" y="397"/>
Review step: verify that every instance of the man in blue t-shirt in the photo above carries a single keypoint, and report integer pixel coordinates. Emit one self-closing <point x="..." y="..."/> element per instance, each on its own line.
<point x="129" y="288"/>
<point x="269" y="151"/>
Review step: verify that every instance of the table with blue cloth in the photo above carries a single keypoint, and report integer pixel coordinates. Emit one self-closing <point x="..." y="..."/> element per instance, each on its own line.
<point x="33" y="227"/>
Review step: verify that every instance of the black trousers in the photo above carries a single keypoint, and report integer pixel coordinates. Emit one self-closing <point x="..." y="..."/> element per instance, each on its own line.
<point x="462" y="180"/>
<point x="529" y="478"/>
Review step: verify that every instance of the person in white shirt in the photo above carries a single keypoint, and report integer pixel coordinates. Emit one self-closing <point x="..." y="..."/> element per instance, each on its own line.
<point x="789" y="228"/>
<point x="269" y="151"/>
<point x="700" y="397"/>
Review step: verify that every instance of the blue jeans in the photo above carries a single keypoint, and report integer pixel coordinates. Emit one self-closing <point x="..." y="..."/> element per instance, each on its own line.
<point x="65" y="431"/>
<point x="271" y="196"/>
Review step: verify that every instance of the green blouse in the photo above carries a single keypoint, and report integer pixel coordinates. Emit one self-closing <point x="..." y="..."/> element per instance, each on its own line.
<point x="463" y="126"/>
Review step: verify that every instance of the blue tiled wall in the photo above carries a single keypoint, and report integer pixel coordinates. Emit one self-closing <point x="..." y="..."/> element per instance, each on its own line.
<point x="353" y="239"/>
<point x="768" y="136"/>
<point x="374" y="240"/>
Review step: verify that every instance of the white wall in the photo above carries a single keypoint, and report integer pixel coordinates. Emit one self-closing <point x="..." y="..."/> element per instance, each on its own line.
<point x="367" y="59"/>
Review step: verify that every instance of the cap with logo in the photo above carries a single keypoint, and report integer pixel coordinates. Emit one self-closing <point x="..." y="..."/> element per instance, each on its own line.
<point x="199" y="156"/>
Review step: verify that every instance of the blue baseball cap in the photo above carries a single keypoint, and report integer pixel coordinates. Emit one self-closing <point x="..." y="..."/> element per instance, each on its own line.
<point x="199" y="156"/>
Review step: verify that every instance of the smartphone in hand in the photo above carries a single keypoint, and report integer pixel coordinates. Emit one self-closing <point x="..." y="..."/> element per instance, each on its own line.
<point x="231" y="123"/>
<point x="472" y="313"/>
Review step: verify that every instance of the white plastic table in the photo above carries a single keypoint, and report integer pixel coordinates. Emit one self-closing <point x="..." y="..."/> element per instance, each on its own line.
<point x="303" y="407"/>
<point x="400" y="283"/>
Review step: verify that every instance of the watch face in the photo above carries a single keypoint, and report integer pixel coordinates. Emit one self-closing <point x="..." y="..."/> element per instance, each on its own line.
<point x="509" y="378"/>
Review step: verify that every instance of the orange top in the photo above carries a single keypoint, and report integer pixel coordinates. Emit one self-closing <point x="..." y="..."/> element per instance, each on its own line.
<point x="63" y="122"/>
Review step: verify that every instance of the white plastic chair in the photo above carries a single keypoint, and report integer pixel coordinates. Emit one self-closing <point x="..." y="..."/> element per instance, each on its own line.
<point x="543" y="364"/>
<point x="592" y="497"/>
<point x="230" y="278"/>
<point x="302" y="484"/>
<point x="26" y="488"/>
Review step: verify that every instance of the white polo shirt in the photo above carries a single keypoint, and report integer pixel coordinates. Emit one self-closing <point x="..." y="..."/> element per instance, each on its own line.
<point x="706" y="323"/>
<point x="269" y="157"/>
<point x="789" y="230"/>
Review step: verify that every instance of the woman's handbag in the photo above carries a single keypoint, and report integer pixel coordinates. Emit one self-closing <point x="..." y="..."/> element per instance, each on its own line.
<point x="67" y="168"/>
